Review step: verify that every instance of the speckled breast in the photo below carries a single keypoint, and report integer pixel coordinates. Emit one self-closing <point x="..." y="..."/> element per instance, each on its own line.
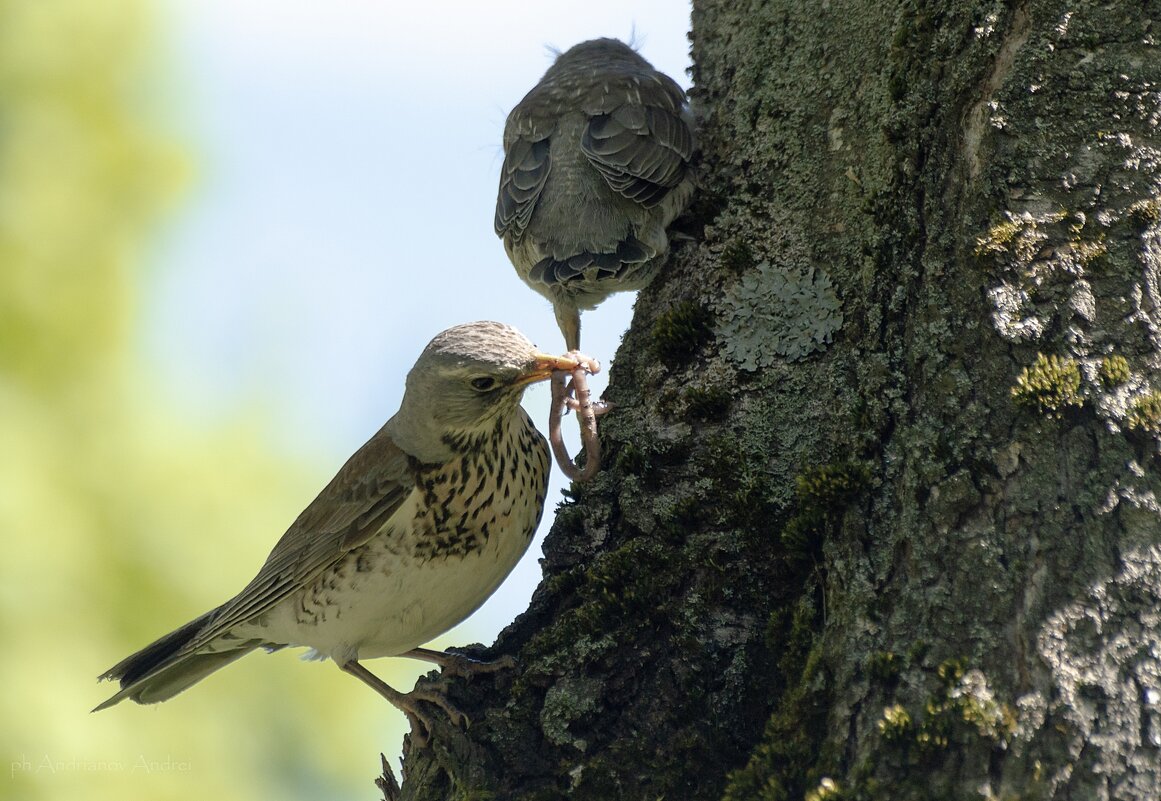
<point x="495" y="489"/>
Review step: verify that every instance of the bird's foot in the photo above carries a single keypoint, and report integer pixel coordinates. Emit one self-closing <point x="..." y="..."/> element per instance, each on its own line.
<point x="421" y="722"/>
<point x="589" y="364"/>
<point x="571" y="404"/>
<point x="461" y="665"/>
<point x="409" y="703"/>
<point x="573" y="392"/>
<point x="436" y="697"/>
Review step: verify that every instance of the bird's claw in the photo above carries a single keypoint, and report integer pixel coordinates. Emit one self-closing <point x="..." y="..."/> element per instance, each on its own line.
<point x="436" y="697"/>
<point x="463" y="666"/>
<point x="420" y="720"/>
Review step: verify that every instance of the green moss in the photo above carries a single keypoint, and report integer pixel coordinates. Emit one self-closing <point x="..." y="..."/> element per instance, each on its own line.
<point x="668" y="404"/>
<point x="998" y="238"/>
<point x="1051" y="385"/>
<point x="747" y="503"/>
<point x="917" y="652"/>
<point x="780" y="767"/>
<point x="994" y="721"/>
<point x="827" y="790"/>
<point x="961" y="710"/>
<point x="630" y="460"/>
<point x="1114" y="371"/>
<point x="470" y="794"/>
<point x="707" y="403"/>
<point x="776" y="627"/>
<point x="680" y="332"/>
<point x="950" y="671"/>
<point x="539" y="794"/>
<point x="833" y="484"/>
<point x="787" y="763"/>
<point x="683" y="517"/>
<point x="738" y="256"/>
<point x="1147" y="211"/>
<point x="604" y="603"/>
<point x="962" y="706"/>
<point x="622" y="580"/>
<point x="895" y="725"/>
<point x="1088" y="252"/>
<point x="802" y="537"/>
<point x="570" y="517"/>
<point x="884" y="666"/>
<point x="564" y="583"/>
<point x="823" y="493"/>
<point x="799" y="641"/>
<point x="1020" y="236"/>
<point x="1145" y="413"/>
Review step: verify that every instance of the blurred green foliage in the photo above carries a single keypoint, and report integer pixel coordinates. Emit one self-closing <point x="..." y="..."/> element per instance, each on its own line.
<point x="120" y="520"/>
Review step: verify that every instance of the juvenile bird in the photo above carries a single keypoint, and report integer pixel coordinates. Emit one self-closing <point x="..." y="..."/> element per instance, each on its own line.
<point x="596" y="166"/>
<point x="415" y="531"/>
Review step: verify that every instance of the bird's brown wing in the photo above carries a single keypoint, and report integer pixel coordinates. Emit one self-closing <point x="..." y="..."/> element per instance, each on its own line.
<point x="351" y="509"/>
<point x="639" y="136"/>
<point x="526" y="167"/>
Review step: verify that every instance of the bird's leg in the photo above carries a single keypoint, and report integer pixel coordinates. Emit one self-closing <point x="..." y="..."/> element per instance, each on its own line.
<point x="408" y="703"/>
<point x="452" y="664"/>
<point x="568" y="320"/>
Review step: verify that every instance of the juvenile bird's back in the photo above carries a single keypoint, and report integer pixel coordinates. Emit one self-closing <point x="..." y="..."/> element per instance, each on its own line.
<point x="597" y="165"/>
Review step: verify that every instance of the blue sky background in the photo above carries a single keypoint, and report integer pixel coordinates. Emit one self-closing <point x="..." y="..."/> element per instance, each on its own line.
<point x="345" y="163"/>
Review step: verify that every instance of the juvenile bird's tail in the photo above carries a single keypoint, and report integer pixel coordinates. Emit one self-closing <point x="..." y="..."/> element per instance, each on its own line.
<point x="161" y="669"/>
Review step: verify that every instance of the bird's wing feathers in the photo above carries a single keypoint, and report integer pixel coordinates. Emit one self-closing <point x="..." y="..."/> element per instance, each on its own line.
<point x="638" y="136"/>
<point x="525" y="170"/>
<point x="351" y="509"/>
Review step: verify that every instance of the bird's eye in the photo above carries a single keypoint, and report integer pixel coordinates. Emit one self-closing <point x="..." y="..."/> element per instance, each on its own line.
<point x="483" y="383"/>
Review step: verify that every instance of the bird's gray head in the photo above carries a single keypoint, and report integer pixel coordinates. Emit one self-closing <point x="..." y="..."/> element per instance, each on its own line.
<point x="466" y="379"/>
<point x="605" y="54"/>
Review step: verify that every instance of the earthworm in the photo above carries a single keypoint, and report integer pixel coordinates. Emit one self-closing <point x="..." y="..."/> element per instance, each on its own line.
<point x="576" y="396"/>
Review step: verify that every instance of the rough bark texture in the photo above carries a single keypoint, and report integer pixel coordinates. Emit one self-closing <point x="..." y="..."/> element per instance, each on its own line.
<point x="879" y="517"/>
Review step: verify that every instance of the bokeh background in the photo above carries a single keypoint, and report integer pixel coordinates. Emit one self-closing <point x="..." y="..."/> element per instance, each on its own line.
<point x="227" y="228"/>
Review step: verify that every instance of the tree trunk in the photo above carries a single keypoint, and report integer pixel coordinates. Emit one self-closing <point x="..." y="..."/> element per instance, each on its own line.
<point x="879" y="514"/>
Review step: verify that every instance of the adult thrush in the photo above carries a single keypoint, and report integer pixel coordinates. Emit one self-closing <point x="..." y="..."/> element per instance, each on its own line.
<point x="417" y="529"/>
<point x="596" y="166"/>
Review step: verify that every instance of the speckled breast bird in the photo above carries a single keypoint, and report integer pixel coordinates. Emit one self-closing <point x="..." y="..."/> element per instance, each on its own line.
<point x="415" y="531"/>
<point x="596" y="166"/>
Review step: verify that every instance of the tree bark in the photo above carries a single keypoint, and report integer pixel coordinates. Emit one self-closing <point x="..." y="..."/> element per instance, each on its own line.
<point x="879" y="514"/>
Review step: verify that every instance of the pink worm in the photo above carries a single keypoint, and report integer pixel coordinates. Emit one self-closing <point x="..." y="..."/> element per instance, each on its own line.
<point x="586" y="412"/>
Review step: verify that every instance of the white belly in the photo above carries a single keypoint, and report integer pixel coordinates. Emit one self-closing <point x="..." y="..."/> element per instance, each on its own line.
<point x="399" y="604"/>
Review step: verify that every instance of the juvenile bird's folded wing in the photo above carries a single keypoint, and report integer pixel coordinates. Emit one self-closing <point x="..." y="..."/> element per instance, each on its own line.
<point x="639" y="137"/>
<point x="525" y="170"/>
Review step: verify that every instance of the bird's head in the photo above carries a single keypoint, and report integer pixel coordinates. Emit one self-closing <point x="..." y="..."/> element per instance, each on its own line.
<point x="605" y="54"/>
<point x="466" y="379"/>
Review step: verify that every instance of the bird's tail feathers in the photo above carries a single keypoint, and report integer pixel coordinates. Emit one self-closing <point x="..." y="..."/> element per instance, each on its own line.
<point x="630" y="251"/>
<point x="161" y="670"/>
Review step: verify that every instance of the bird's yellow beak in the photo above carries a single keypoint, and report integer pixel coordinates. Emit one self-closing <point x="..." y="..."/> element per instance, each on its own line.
<point x="543" y="366"/>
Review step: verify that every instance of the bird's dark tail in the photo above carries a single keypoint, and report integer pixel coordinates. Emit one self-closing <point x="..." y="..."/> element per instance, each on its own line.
<point x="164" y="668"/>
<point x="630" y="251"/>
